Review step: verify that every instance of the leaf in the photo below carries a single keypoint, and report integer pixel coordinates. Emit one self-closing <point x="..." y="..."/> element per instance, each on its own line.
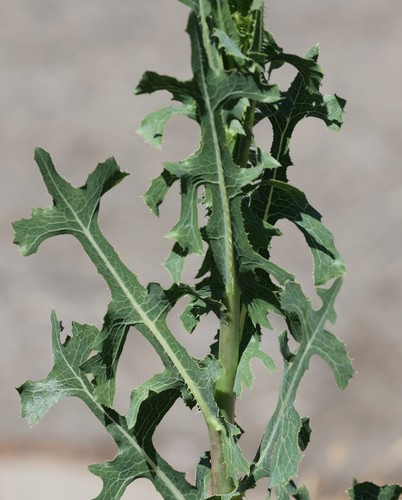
<point x="126" y="466"/>
<point x="244" y="375"/>
<point x="175" y="262"/>
<point x="250" y="260"/>
<point x="203" y="477"/>
<point x="291" y="490"/>
<point x="274" y="199"/>
<point x="370" y="491"/>
<point x="230" y="46"/>
<point x="299" y="102"/>
<point x="184" y="92"/>
<point x="157" y="384"/>
<point x="137" y="456"/>
<point x="103" y="367"/>
<point x="66" y="379"/>
<point x="75" y="211"/>
<point x="257" y="4"/>
<point x="153" y="125"/>
<point x="279" y="452"/>
<point x="232" y="49"/>
<point x="193" y="4"/>
<point x="289" y="203"/>
<point x="308" y="69"/>
<point x="187" y="232"/>
<point x="158" y="189"/>
<point x="304" y="433"/>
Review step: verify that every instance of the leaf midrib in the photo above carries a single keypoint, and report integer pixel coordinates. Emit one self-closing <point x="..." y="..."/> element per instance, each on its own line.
<point x="203" y="405"/>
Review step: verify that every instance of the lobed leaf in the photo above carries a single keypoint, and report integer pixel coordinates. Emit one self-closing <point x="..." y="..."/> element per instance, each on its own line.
<point x="74" y="211"/>
<point x="279" y="452"/>
<point x="137" y="456"/>
<point x="299" y="101"/>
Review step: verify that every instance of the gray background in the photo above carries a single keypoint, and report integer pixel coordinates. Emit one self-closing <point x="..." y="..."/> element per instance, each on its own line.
<point x="67" y="70"/>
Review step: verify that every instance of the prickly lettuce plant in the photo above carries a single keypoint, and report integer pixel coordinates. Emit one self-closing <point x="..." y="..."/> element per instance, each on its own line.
<point x="244" y="192"/>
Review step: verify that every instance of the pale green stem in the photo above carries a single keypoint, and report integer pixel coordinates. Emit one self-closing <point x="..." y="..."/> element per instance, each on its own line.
<point x="229" y="341"/>
<point x="231" y="328"/>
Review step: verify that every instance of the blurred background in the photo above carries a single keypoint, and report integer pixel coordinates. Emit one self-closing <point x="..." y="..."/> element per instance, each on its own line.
<point x="67" y="74"/>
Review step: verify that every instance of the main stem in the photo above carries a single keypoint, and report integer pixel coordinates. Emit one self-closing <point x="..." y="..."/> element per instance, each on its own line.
<point x="229" y="342"/>
<point x="232" y="324"/>
<point x="230" y="333"/>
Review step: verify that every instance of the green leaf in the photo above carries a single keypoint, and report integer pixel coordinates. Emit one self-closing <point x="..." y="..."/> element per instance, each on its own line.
<point x="291" y="490"/>
<point x="75" y="211"/>
<point x="66" y="379"/>
<point x="244" y="375"/>
<point x="184" y="92"/>
<point x="126" y="466"/>
<point x="370" y="491"/>
<point x="257" y="4"/>
<point x="175" y="262"/>
<point x="159" y="383"/>
<point x="153" y="125"/>
<point x="250" y="260"/>
<point x="193" y="4"/>
<point x="203" y="477"/>
<point x="230" y="46"/>
<point x="187" y="232"/>
<point x="158" y="189"/>
<point x="299" y="102"/>
<point x="305" y="433"/>
<point x="232" y="49"/>
<point x="288" y="202"/>
<point x="137" y="456"/>
<point x="102" y="367"/>
<point x="279" y="452"/>
<point x="308" y="69"/>
<point x="62" y="218"/>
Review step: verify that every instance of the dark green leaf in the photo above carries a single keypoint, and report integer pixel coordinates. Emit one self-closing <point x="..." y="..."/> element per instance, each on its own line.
<point x="370" y="491"/>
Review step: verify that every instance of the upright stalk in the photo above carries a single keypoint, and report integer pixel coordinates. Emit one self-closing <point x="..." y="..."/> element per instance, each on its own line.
<point x="232" y="324"/>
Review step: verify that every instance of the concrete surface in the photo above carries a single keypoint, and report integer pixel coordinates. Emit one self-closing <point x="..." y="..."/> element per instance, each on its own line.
<point x="67" y="73"/>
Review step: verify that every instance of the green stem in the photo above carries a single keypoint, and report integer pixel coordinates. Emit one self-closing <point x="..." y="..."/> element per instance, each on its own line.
<point x="230" y="333"/>
<point x="229" y="342"/>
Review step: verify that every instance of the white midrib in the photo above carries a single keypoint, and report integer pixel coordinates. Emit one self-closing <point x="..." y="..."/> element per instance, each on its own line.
<point x="209" y="416"/>
<point x="203" y="405"/>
